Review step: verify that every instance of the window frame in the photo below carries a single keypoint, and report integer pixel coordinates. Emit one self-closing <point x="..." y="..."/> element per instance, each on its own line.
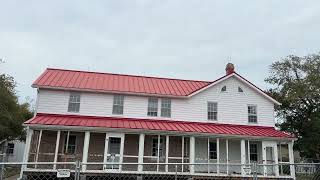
<point x="67" y="144"/>
<point x="223" y="89"/>
<point x="153" y="111"/>
<point x="154" y="149"/>
<point x="73" y="104"/>
<point x="240" y="90"/>
<point x="255" y="153"/>
<point x="214" y="111"/>
<point x="118" y="104"/>
<point x="165" y="107"/>
<point x="212" y="153"/>
<point x="250" y="115"/>
<point x="10" y="150"/>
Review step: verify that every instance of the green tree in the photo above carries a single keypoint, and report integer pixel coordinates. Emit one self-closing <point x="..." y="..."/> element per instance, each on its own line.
<point x="12" y="114"/>
<point x="296" y="82"/>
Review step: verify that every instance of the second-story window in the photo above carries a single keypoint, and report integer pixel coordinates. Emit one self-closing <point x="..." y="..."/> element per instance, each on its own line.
<point x="152" y="106"/>
<point x="212" y="111"/>
<point x="252" y="114"/>
<point x="165" y="107"/>
<point x="74" y="102"/>
<point x="117" y="107"/>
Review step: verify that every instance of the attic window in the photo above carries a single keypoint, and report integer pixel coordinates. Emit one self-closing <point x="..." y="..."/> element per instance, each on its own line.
<point x="224" y="89"/>
<point x="240" y="89"/>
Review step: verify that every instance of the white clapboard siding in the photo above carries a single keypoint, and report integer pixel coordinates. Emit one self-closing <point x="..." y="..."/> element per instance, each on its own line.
<point x="232" y="105"/>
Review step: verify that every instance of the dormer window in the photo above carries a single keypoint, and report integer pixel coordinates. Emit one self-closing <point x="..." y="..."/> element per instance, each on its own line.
<point x="224" y="89"/>
<point x="240" y="89"/>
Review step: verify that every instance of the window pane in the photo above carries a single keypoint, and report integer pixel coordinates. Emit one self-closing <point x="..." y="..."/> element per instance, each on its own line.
<point x="117" y="104"/>
<point x="74" y="102"/>
<point x="212" y="150"/>
<point x="252" y="114"/>
<point x="212" y="111"/>
<point x="165" y="107"/>
<point x="114" y="145"/>
<point x="152" y="107"/>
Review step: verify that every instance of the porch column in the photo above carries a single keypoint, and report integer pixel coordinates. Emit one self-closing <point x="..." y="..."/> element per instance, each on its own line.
<point x="227" y="153"/>
<point x="291" y="159"/>
<point x="167" y="152"/>
<point x="56" y="150"/>
<point x="141" y="152"/>
<point x="276" y="162"/>
<point x="218" y="156"/>
<point x="243" y="155"/>
<point x="85" y="149"/>
<point x="26" y="150"/>
<point x="38" y="148"/>
<point x="27" y="147"/>
<point x="192" y="154"/>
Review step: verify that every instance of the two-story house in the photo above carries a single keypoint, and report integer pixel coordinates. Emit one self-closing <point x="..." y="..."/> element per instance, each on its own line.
<point x="159" y="125"/>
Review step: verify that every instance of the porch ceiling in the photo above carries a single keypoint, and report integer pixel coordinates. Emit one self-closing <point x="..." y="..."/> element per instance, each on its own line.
<point x="155" y="125"/>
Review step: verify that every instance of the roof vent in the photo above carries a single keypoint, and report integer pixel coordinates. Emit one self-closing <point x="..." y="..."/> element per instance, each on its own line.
<point x="229" y="68"/>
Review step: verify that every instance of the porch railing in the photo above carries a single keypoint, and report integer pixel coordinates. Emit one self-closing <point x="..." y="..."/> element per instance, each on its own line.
<point x="49" y="170"/>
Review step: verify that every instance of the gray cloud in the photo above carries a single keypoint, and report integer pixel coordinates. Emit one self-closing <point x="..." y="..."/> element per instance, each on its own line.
<point x="175" y="38"/>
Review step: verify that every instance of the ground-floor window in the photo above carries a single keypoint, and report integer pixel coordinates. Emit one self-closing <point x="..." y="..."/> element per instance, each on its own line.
<point x="155" y="147"/>
<point x="254" y="152"/>
<point x="70" y="144"/>
<point x="212" y="150"/>
<point x="10" y="148"/>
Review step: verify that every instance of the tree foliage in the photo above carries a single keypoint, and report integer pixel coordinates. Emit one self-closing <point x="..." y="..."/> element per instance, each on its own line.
<point x="12" y="114"/>
<point x="297" y="86"/>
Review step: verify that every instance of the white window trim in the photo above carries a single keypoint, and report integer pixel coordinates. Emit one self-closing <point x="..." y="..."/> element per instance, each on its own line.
<point x="250" y="143"/>
<point x="74" y="93"/>
<point x="157" y="106"/>
<point x="170" y="109"/>
<point x="158" y="139"/>
<point x="213" y="111"/>
<point x="113" y="104"/>
<point x="252" y="114"/>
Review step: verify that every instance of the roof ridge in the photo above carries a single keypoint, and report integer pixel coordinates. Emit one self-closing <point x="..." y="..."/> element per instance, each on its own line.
<point x="118" y="74"/>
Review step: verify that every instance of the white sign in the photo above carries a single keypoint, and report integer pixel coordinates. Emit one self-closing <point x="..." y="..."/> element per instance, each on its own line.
<point x="62" y="173"/>
<point x="247" y="170"/>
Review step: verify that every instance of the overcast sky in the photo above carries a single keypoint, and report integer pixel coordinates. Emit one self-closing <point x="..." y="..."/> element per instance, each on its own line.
<point x="168" y="38"/>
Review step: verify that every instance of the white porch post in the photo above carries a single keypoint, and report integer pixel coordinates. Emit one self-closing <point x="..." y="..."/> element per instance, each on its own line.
<point x="56" y="150"/>
<point x="167" y="152"/>
<point x="192" y="153"/>
<point x="276" y="162"/>
<point x="291" y="159"/>
<point x="227" y="153"/>
<point x="218" y="155"/>
<point x="27" y="147"/>
<point x="85" y="149"/>
<point x="141" y="152"/>
<point x="26" y="150"/>
<point x="243" y="155"/>
<point x="38" y="147"/>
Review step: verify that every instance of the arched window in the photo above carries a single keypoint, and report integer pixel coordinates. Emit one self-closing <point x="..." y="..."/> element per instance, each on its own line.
<point x="240" y="89"/>
<point x="224" y="89"/>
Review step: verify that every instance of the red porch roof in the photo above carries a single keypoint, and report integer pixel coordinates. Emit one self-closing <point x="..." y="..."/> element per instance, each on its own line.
<point x="156" y="125"/>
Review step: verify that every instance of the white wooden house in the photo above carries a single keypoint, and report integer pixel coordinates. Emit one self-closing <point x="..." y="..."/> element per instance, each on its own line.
<point x="210" y="128"/>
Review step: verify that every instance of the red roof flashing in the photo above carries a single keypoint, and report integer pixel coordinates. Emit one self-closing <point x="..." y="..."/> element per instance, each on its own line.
<point x="156" y="125"/>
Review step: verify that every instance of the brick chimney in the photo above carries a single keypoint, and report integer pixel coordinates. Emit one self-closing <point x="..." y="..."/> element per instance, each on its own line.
<point x="229" y="68"/>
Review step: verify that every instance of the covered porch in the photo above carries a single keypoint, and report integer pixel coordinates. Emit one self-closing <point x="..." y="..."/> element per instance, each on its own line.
<point x="159" y="152"/>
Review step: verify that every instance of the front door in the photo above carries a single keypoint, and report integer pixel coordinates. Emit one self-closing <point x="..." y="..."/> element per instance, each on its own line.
<point x="113" y="151"/>
<point x="269" y="158"/>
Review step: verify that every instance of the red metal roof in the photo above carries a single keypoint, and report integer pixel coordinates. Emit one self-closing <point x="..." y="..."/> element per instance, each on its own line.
<point x="70" y="79"/>
<point x="156" y="125"/>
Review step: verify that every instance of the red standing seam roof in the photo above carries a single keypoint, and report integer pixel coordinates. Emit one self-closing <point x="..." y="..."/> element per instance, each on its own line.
<point x="156" y="125"/>
<point x="95" y="81"/>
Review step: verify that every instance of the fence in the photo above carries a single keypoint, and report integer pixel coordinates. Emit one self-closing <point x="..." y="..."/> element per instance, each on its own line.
<point x="154" y="171"/>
